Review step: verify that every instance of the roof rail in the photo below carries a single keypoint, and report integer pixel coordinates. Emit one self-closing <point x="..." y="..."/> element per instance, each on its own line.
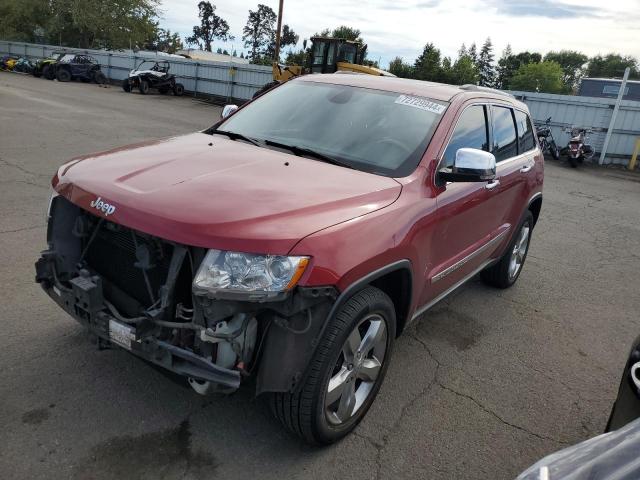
<point x="477" y="88"/>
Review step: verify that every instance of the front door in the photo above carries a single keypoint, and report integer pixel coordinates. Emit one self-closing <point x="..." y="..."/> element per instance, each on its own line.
<point x="465" y="225"/>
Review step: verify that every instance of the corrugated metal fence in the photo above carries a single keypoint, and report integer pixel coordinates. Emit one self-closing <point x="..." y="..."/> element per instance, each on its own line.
<point x="568" y="110"/>
<point x="220" y="79"/>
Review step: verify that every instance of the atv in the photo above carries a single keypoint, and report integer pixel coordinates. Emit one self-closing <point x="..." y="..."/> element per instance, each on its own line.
<point x="78" y="66"/>
<point x="152" y="74"/>
<point x="45" y="67"/>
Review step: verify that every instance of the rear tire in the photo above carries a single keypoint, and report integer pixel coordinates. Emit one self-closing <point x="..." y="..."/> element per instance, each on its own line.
<point x="351" y="358"/>
<point x="573" y="162"/>
<point x="505" y="273"/>
<point x="48" y="72"/>
<point x="178" y="89"/>
<point x="99" y="77"/>
<point x="63" y="75"/>
<point x="143" y="87"/>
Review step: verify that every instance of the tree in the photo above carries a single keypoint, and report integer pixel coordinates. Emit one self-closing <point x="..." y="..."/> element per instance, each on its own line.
<point x="572" y="64"/>
<point x="21" y="19"/>
<point x="427" y="66"/>
<point x="105" y="24"/>
<point x="539" y="77"/>
<point x="287" y="37"/>
<point x="486" y="69"/>
<point x="506" y="68"/>
<point x="348" y="33"/>
<point x="399" y="68"/>
<point x="164" y="41"/>
<point x="258" y="33"/>
<point x="211" y="27"/>
<point x="612" y="66"/>
<point x="473" y="53"/>
<point x="464" y="71"/>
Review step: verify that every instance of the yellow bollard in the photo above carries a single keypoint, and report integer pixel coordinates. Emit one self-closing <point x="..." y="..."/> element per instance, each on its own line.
<point x="634" y="157"/>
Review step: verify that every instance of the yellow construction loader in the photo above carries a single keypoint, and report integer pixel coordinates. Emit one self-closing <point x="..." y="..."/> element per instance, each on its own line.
<point x="327" y="55"/>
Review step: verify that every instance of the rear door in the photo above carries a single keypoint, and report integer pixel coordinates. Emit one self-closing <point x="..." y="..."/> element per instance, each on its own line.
<point x="514" y="147"/>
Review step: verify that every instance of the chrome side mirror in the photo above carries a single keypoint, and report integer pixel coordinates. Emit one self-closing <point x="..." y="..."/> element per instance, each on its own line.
<point x="470" y="165"/>
<point x="228" y="110"/>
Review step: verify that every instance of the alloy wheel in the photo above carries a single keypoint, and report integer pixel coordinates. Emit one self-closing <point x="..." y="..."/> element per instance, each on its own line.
<point x="356" y="370"/>
<point x="519" y="251"/>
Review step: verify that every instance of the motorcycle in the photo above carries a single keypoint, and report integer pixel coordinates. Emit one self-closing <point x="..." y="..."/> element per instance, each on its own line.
<point x="547" y="142"/>
<point x="578" y="149"/>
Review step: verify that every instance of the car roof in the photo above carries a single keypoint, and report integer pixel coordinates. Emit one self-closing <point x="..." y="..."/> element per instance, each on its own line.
<point x="406" y="86"/>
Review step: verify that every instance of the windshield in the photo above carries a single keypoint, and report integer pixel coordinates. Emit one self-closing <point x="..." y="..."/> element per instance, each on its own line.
<point x="152" y="65"/>
<point x="371" y="130"/>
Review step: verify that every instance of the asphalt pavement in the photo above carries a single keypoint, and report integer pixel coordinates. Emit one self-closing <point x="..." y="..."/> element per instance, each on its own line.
<point x="482" y="386"/>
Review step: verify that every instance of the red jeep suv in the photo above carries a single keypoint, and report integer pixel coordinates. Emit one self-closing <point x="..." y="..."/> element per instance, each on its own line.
<point x="298" y="237"/>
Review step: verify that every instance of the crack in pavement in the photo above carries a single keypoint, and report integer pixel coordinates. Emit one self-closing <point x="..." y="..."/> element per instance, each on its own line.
<point x="22" y="169"/>
<point x="381" y="446"/>
<point x="478" y="403"/>
<point x="32" y="227"/>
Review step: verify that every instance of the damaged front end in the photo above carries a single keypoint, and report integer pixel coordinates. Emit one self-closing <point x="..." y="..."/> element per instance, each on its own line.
<point x="137" y="291"/>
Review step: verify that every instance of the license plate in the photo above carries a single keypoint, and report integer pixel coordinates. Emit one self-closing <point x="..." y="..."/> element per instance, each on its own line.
<point x="121" y="334"/>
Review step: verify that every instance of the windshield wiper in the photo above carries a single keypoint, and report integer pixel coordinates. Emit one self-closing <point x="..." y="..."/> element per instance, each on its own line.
<point x="300" y="151"/>
<point x="238" y="136"/>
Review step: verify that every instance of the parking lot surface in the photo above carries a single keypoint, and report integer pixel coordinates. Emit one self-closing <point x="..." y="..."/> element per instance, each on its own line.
<point x="481" y="387"/>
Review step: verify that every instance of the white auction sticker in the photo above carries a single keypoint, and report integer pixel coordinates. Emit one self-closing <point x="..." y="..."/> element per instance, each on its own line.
<point x="421" y="103"/>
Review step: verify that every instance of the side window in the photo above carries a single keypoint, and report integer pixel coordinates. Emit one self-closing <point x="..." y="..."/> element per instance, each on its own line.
<point x="504" y="134"/>
<point x="470" y="132"/>
<point x="526" y="141"/>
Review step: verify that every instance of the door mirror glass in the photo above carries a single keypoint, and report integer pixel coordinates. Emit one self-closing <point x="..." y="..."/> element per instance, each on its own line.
<point x="470" y="165"/>
<point x="228" y="110"/>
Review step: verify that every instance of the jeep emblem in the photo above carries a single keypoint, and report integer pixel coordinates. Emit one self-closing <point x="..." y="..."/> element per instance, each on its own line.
<point x="103" y="207"/>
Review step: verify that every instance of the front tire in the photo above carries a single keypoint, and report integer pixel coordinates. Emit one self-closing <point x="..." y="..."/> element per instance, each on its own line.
<point x="555" y="152"/>
<point x="178" y="89"/>
<point x="48" y="72"/>
<point x="143" y="87"/>
<point x="126" y="85"/>
<point x="345" y="373"/>
<point x="505" y="273"/>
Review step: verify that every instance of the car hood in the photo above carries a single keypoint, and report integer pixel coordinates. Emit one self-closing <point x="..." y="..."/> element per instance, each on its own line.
<point x="214" y="192"/>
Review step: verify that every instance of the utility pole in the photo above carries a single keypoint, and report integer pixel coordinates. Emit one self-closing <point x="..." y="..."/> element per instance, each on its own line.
<point x="277" y="52"/>
<point x="614" y="116"/>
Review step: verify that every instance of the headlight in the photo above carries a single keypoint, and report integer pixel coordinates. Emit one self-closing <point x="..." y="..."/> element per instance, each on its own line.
<point x="260" y="276"/>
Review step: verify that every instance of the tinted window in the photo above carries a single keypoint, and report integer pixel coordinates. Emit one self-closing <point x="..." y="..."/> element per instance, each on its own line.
<point x="526" y="141"/>
<point x="372" y="130"/>
<point x="470" y="132"/>
<point x="504" y="134"/>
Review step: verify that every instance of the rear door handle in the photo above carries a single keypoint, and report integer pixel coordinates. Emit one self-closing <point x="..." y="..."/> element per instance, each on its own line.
<point x="492" y="185"/>
<point x="526" y="168"/>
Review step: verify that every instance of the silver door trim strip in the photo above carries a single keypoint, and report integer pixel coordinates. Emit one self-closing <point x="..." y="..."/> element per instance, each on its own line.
<point x="427" y="306"/>
<point x="459" y="264"/>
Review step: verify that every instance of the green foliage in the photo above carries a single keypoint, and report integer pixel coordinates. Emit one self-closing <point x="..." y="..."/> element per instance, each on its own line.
<point x="348" y="33"/>
<point x="509" y="64"/>
<point x="259" y="32"/>
<point x="464" y="71"/>
<point x="572" y="64"/>
<point x="486" y="69"/>
<point x="211" y="27"/>
<point x="113" y="24"/>
<point x="108" y="24"/>
<point x="545" y="77"/>
<point x="612" y="66"/>
<point x="428" y="65"/>
<point x="164" y="41"/>
<point x="399" y="68"/>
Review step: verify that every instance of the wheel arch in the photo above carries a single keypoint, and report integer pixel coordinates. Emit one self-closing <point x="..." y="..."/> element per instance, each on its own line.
<point x="535" y="206"/>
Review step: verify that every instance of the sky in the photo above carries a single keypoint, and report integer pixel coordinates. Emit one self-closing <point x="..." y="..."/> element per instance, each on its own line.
<point x="403" y="27"/>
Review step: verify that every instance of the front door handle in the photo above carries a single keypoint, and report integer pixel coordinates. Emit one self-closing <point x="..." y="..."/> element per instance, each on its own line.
<point x="492" y="185"/>
<point x="526" y="168"/>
